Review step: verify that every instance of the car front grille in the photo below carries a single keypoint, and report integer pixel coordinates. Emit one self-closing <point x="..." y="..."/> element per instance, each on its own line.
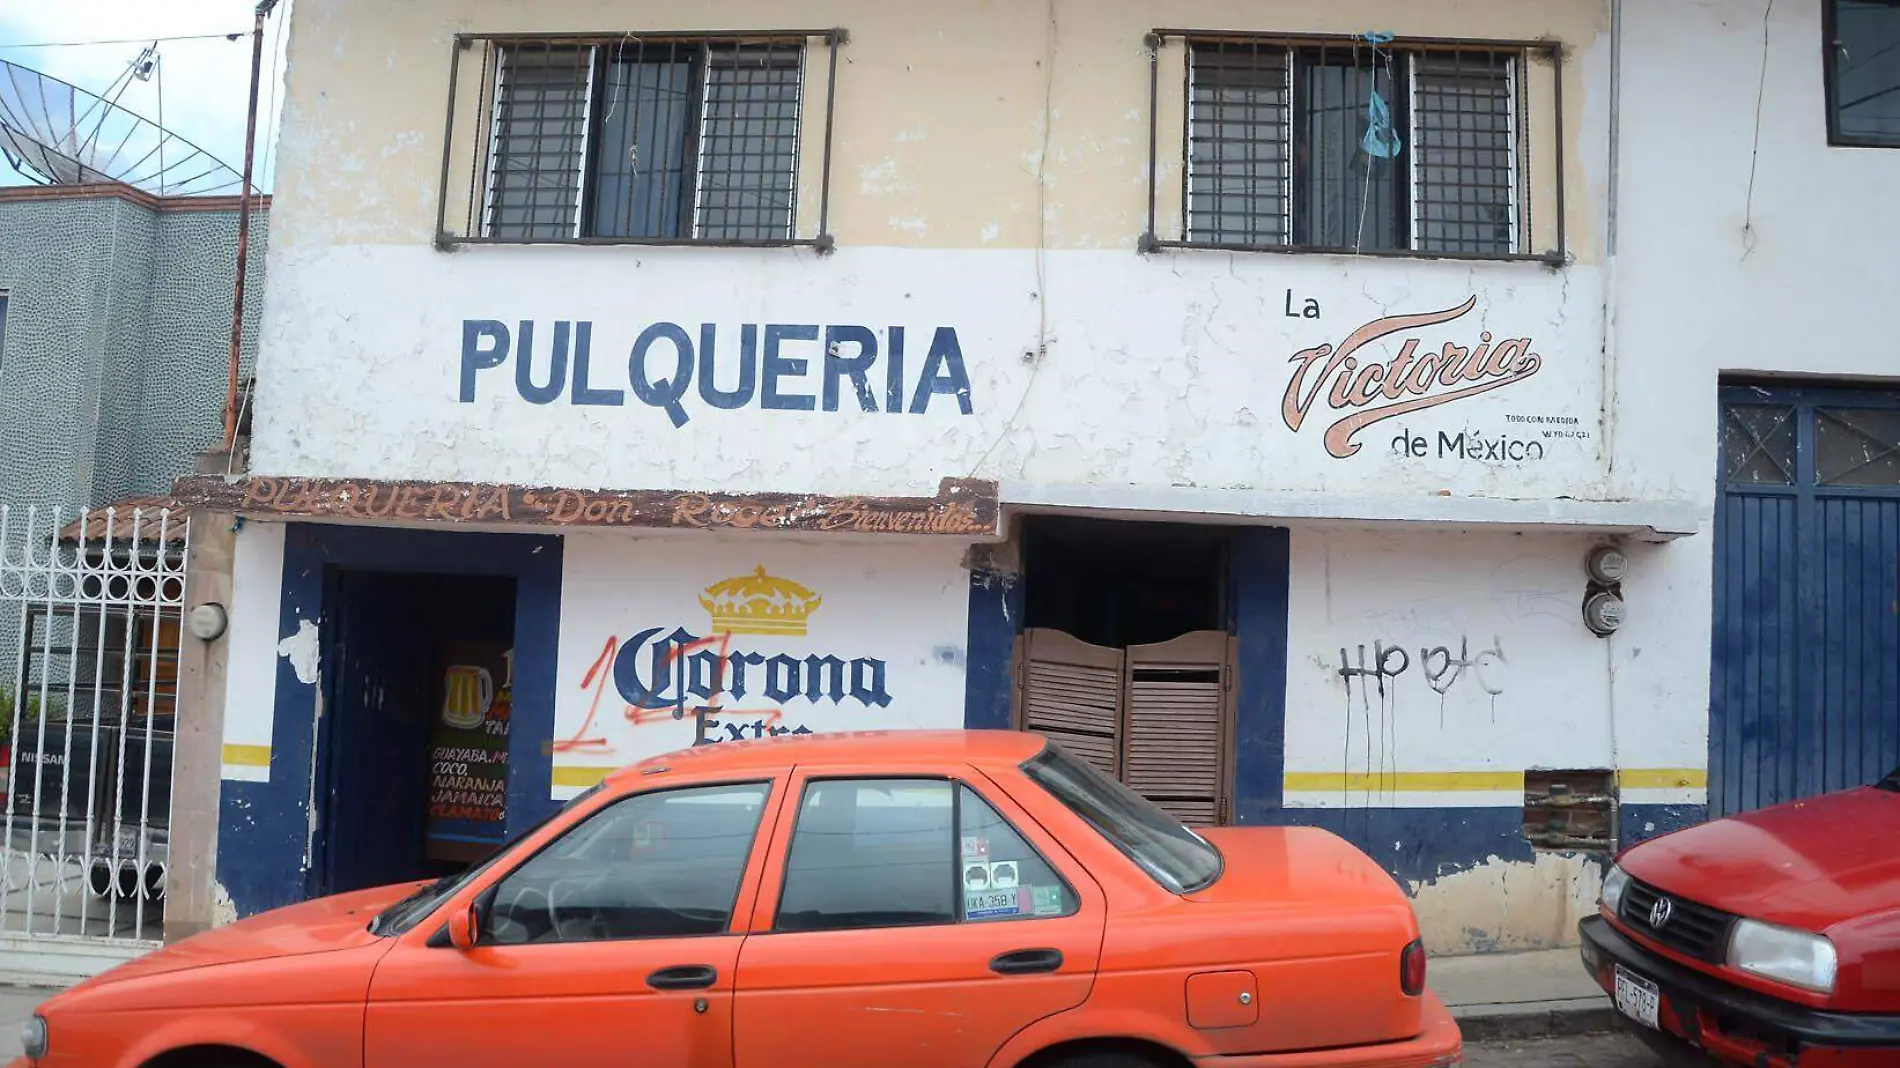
<point x="1691" y="929"/>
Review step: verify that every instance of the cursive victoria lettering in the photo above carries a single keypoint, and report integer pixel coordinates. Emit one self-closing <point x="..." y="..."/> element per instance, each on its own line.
<point x="1369" y="391"/>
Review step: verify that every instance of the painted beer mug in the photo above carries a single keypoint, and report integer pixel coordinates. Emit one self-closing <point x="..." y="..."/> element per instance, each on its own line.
<point x="468" y="692"/>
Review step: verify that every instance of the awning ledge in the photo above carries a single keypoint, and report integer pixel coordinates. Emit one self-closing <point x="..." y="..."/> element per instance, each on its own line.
<point x="1642" y="520"/>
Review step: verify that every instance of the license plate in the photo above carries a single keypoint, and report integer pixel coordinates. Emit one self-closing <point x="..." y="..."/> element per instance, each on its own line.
<point x="1637" y="998"/>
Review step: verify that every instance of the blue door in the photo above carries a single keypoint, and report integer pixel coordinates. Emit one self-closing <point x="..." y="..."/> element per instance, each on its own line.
<point x="1805" y="673"/>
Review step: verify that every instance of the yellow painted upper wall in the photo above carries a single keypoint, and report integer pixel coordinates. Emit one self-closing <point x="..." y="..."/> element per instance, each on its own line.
<point x="940" y="106"/>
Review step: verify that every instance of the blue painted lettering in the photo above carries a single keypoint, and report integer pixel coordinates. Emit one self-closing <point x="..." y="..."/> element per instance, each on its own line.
<point x="777" y="365"/>
<point x="894" y="372"/>
<point x="664" y="394"/>
<point x="655" y="671"/>
<point x="584" y="393"/>
<point x="557" y="364"/>
<point x="943" y="373"/>
<point x="856" y="367"/>
<point x="709" y="391"/>
<point x="475" y="358"/>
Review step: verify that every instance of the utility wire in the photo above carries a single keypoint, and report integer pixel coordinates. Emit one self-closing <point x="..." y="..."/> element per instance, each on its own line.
<point x="132" y="40"/>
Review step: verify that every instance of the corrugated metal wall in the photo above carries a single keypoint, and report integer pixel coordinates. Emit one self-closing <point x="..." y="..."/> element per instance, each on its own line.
<point x="1805" y="686"/>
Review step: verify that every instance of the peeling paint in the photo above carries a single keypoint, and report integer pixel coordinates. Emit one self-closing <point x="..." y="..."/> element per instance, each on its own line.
<point x="223" y="909"/>
<point x="1508" y="904"/>
<point x="301" y="650"/>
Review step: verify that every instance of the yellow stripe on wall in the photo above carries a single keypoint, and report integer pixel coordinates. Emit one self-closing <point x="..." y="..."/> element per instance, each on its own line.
<point x="1469" y="781"/>
<point x="582" y="777"/>
<point x="1664" y="778"/>
<point x="247" y="756"/>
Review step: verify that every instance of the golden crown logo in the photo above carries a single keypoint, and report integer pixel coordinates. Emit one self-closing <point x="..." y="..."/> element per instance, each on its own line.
<point x="759" y="604"/>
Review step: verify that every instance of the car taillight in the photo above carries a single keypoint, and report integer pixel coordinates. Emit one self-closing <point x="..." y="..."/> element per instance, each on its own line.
<point x="1412" y="969"/>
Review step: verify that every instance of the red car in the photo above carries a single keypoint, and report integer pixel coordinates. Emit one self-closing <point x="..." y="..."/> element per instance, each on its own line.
<point x="1769" y="939"/>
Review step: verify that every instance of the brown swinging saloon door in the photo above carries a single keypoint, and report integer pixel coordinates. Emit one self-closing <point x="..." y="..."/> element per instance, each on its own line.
<point x="1157" y="717"/>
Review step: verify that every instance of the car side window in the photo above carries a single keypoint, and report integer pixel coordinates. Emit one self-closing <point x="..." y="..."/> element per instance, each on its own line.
<point x="665" y="864"/>
<point x="909" y="852"/>
<point x="870" y="853"/>
<point x="1002" y="876"/>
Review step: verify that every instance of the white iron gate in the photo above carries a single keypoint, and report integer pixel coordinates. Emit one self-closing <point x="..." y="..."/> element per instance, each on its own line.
<point x="91" y="612"/>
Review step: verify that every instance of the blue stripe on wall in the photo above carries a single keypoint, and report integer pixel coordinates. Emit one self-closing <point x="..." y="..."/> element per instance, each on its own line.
<point x="265" y="828"/>
<point x="996" y="607"/>
<point x="1258" y="561"/>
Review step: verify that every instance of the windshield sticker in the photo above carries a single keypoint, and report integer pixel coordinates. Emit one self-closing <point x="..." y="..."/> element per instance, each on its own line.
<point x="989" y="904"/>
<point x="1003" y="874"/>
<point x="976" y="877"/>
<point x="975" y="847"/>
<point x="1047" y="900"/>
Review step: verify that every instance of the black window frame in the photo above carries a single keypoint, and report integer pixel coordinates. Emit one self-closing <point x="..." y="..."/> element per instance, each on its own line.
<point x="1525" y="117"/>
<point x="472" y="182"/>
<point x="956" y="785"/>
<point x="485" y="902"/>
<point x="1830" y="82"/>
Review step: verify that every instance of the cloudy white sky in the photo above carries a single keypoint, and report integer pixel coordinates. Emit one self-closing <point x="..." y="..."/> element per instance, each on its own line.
<point x="206" y="82"/>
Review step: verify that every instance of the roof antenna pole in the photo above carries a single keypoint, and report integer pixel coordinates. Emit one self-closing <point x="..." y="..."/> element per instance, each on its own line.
<point x="244" y="229"/>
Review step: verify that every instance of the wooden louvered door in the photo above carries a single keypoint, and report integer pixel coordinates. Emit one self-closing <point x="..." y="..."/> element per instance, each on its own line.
<point x="1175" y="725"/>
<point x="1157" y="717"/>
<point x="1070" y="691"/>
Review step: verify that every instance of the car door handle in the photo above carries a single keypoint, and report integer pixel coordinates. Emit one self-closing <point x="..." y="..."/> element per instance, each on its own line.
<point x="683" y="977"/>
<point x="1027" y="961"/>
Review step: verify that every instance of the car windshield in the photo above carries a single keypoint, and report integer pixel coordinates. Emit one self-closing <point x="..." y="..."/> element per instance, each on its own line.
<point x="1891" y="782"/>
<point x="1169" y="852"/>
<point x="410" y="911"/>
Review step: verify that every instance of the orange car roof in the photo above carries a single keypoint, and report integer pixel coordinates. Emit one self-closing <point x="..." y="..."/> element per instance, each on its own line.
<point x="845" y="749"/>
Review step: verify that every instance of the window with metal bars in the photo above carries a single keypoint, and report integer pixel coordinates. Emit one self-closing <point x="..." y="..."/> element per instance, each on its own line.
<point x="642" y="139"/>
<point x="1354" y="145"/>
<point x="1863" y="72"/>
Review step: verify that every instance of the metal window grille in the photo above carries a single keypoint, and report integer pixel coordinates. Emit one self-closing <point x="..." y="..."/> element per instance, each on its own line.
<point x="1277" y="152"/>
<point x="89" y="696"/>
<point x="640" y="138"/>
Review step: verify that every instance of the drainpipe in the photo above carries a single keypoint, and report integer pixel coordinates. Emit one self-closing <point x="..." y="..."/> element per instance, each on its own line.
<point x="244" y="229"/>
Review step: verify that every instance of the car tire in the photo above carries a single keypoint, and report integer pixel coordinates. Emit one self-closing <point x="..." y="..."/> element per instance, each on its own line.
<point x="1105" y="1059"/>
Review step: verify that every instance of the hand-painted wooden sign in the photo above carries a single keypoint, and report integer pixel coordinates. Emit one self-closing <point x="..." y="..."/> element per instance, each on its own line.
<point x="963" y="508"/>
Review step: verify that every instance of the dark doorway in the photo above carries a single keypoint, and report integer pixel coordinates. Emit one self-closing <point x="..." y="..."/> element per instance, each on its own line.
<point x="1126" y="656"/>
<point x="413" y="740"/>
<point x="1119" y="584"/>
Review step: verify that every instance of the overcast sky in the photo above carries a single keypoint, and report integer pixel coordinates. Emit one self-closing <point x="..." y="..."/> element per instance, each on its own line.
<point x="206" y="82"/>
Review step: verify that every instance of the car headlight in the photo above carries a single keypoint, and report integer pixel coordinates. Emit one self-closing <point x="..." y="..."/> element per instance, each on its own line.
<point x="1613" y="886"/>
<point x="1786" y="956"/>
<point x="33" y="1037"/>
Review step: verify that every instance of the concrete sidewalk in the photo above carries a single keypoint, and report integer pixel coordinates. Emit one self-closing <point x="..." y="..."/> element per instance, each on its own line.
<point x="1520" y="995"/>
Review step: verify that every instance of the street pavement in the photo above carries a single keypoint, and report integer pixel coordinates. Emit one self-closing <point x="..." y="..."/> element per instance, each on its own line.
<point x="1611" y="1050"/>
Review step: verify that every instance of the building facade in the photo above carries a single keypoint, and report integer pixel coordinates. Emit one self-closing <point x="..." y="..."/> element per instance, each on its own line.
<point x="1236" y="393"/>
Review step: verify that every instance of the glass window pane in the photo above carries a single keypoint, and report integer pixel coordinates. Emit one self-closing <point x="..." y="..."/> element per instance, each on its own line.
<point x="1463" y="128"/>
<point x="748" y="146"/>
<point x="871" y="853"/>
<point x="1238" y="161"/>
<point x="1857" y="447"/>
<point x="1866" y="69"/>
<point x="1345" y="197"/>
<point x="659" y="865"/>
<point x="1159" y="844"/>
<point x="1003" y="878"/>
<point x="539" y="142"/>
<point x="1758" y="444"/>
<point x="640" y="180"/>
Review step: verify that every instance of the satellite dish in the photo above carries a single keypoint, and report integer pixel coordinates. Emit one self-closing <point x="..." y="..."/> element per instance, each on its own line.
<point x="58" y="134"/>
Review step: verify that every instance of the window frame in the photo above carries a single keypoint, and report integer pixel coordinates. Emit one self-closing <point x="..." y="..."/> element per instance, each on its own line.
<point x="956" y="784"/>
<point x="476" y="187"/>
<point x="1521" y="122"/>
<point x="736" y="923"/>
<point x="1830" y="84"/>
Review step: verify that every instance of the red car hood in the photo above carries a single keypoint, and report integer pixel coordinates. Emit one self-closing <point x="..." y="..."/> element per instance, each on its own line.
<point x="1806" y="864"/>
<point x="320" y="926"/>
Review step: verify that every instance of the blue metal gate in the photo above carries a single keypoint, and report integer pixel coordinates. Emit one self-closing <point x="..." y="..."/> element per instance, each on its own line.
<point x="1805" y="674"/>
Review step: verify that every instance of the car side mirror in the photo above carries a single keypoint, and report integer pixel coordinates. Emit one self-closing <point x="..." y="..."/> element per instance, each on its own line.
<point x="463" y="927"/>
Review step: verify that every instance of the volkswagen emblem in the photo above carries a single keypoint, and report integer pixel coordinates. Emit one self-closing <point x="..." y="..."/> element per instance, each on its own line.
<point x="1660" y="912"/>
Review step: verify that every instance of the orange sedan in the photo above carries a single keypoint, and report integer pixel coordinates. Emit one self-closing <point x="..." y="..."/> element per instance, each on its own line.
<point x="963" y="899"/>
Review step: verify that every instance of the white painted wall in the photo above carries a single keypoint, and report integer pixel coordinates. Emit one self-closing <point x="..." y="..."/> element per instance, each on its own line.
<point x="904" y="605"/>
<point x="1161" y="371"/>
<point x="257" y="573"/>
